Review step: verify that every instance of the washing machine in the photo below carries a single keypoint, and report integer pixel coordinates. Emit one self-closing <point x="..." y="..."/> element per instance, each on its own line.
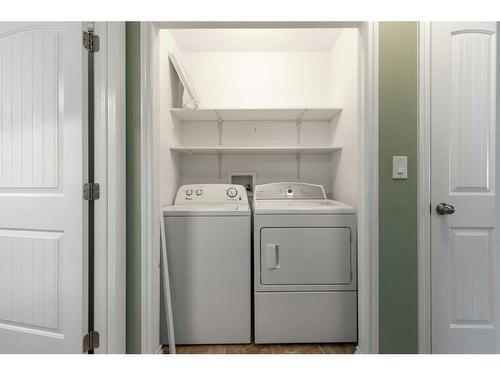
<point x="305" y="287"/>
<point x="209" y="257"/>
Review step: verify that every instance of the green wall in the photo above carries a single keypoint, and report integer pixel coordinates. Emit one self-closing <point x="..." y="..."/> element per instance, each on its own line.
<point x="133" y="187"/>
<point x="398" y="106"/>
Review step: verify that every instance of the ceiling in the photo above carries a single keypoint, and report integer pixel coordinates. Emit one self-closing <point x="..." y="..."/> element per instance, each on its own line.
<point x="255" y="40"/>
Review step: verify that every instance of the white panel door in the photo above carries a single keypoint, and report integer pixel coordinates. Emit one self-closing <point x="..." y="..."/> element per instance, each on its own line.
<point x="42" y="305"/>
<point x="463" y="253"/>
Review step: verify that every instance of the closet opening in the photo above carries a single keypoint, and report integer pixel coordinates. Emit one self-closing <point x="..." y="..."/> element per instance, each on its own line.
<point x="260" y="107"/>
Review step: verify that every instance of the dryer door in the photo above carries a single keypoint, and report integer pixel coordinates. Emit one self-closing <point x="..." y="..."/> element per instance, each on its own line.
<point x="306" y="256"/>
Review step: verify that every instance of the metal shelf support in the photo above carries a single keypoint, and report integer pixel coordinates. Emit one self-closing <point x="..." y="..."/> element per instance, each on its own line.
<point x="297" y="159"/>
<point x="220" y="125"/>
<point x="219" y="164"/>
<point x="299" y="131"/>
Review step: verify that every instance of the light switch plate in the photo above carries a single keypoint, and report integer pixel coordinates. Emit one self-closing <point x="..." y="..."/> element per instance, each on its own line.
<point x="400" y="167"/>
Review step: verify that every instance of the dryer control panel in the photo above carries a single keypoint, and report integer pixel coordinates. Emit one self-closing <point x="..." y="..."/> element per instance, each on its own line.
<point x="289" y="190"/>
<point x="211" y="193"/>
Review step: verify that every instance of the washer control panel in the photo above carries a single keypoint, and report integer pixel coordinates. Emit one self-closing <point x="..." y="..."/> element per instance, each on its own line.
<point x="289" y="190"/>
<point x="211" y="193"/>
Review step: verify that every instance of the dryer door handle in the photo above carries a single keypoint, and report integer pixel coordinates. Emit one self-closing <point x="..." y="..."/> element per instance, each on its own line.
<point x="272" y="256"/>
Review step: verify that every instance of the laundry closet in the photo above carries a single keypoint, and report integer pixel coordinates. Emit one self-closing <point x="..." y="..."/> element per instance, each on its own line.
<point x="258" y="106"/>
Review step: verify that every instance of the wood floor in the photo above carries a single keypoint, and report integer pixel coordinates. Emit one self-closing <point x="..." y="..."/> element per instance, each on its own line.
<point x="266" y="349"/>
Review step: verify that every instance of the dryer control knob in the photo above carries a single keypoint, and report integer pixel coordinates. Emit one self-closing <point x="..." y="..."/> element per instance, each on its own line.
<point x="232" y="192"/>
<point x="189" y="192"/>
<point x="199" y="192"/>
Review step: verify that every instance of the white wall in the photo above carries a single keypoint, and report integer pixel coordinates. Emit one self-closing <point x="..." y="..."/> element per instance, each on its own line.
<point x="260" y="79"/>
<point x="344" y="85"/>
<point x="256" y="134"/>
<point x="170" y="130"/>
<point x="269" y="168"/>
<point x="255" y="40"/>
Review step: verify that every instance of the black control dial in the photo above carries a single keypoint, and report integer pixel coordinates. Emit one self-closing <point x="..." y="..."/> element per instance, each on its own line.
<point x="232" y="192"/>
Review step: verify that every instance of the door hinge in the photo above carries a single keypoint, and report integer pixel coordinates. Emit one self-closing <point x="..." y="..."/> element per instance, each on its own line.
<point x="91" y="191"/>
<point x="90" y="341"/>
<point x="91" y="41"/>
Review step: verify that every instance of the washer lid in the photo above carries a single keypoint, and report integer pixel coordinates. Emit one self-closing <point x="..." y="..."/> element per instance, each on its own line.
<point x="207" y="210"/>
<point x="299" y="206"/>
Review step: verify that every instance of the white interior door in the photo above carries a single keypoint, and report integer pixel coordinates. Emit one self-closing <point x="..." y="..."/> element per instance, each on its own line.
<point x="463" y="250"/>
<point x="42" y="263"/>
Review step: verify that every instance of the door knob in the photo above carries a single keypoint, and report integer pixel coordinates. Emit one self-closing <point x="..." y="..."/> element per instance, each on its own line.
<point x="445" y="209"/>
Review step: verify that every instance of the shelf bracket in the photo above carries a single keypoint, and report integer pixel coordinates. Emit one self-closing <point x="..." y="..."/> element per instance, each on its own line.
<point x="220" y="124"/>
<point x="219" y="164"/>
<point x="299" y="131"/>
<point x="298" y="122"/>
<point x="297" y="159"/>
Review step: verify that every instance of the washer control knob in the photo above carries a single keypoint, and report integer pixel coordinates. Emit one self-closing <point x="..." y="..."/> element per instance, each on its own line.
<point x="199" y="192"/>
<point x="189" y="192"/>
<point x="232" y="192"/>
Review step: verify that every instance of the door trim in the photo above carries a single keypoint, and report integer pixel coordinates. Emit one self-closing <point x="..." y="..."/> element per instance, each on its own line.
<point x="110" y="255"/>
<point x="497" y="179"/>
<point x="150" y="233"/>
<point x="424" y="189"/>
<point x="368" y="267"/>
<point x="368" y="250"/>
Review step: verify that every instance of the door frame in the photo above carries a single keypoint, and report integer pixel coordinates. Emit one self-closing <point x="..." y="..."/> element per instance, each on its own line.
<point x="424" y="185"/>
<point x="424" y="188"/>
<point x="368" y="290"/>
<point x="110" y="254"/>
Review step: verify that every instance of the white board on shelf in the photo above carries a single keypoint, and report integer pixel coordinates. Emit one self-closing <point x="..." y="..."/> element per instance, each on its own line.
<point x="184" y="77"/>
